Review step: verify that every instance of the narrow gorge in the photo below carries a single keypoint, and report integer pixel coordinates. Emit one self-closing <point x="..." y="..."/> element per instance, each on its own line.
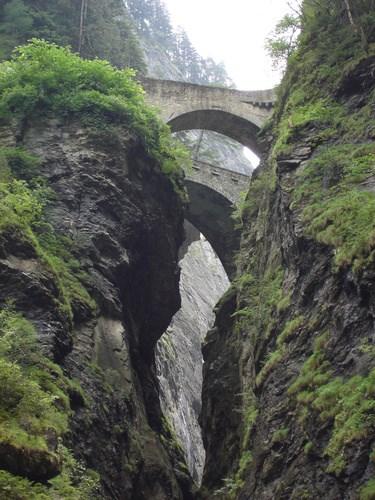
<point x="175" y="324"/>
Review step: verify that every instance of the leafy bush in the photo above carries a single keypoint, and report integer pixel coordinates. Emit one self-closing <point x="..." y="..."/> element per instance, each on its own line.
<point x="27" y="406"/>
<point x="18" y="163"/>
<point x="18" y="488"/>
<point x="74" y="483"/>
<point x="19" y="205"/>
<point x="44" y="79"/>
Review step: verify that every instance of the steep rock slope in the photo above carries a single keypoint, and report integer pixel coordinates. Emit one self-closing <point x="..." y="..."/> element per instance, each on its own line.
<point x="216" y="149"/>
<point x="97" y="277"/>
<point x="179" y="359"/>
<point x="288" y="392"/>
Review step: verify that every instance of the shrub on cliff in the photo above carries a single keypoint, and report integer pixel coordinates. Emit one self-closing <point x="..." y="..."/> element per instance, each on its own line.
<point x="44" y="80"/>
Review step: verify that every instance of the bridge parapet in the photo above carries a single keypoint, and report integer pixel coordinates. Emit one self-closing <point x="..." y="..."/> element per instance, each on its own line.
<point x="167" y="89"/>
<point x="226" y="182"/>
<point x="175" y="98"/>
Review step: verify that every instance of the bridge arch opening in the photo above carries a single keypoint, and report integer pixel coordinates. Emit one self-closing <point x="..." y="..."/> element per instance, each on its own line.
<point x="211" y="213"/>
<point x="241" y="130"/>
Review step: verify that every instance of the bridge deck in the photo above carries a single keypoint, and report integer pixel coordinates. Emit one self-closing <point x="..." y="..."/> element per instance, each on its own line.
<point x="265" y="97"/>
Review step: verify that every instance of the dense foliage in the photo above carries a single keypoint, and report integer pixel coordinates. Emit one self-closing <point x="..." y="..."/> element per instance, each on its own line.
<point x="107" y="29"/>
<point x="34" y="412"/>
<point x="308" y="15"/>
<point x="43" y="79"/>
<point x="102" y="29"/>
<point x="283" y="40"/>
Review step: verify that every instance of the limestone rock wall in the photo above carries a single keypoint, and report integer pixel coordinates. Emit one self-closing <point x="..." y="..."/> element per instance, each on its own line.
<point x="216" y="149"/>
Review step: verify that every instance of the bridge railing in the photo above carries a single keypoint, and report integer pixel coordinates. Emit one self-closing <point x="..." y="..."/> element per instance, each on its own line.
<point x="226" y="182"/>
<point x="220" y="171"/>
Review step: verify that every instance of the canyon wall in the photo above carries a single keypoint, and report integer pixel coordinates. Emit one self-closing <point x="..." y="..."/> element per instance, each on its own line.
<point x="288" y="391"/>
<point x="97" y="278"/>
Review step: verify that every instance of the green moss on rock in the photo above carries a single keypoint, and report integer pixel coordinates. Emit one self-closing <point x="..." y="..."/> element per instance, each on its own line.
<point x="337" y="207"/>
<point x="349" y="404"/>
<point x="34" y="413"/>
<point x="367" y="492"/>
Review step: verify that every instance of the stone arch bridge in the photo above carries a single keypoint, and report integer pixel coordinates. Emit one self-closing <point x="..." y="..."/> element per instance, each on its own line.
<point x="213" y="190"/>
<point x="237" y="114"/>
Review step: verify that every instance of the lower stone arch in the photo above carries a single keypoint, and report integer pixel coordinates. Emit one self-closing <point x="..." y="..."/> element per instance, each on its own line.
<point x="211" y="213"/>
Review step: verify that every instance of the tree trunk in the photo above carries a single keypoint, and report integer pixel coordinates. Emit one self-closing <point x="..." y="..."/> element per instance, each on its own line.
<point x="82" y="25"/>
<point x="357" y="28"/>
<point x="198" y="145"/>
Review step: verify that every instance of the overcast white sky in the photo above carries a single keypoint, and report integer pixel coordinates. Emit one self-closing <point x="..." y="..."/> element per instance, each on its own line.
<point x="232" y="31"/>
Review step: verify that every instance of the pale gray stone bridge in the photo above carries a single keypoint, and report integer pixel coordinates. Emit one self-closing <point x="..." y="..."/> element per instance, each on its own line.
<point x="237" y="114"/>
<point x="228" y="183"/>
<point x="213" y="190"/>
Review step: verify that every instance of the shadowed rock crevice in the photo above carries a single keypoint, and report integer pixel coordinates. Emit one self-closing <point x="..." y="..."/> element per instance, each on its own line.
<point x="179" y="352"/>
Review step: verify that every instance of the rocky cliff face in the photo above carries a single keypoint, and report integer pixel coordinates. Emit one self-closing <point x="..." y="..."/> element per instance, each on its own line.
<point x="179" y="358"/>
<point x="288" y="392"/>
<point x="126" y="224"/>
